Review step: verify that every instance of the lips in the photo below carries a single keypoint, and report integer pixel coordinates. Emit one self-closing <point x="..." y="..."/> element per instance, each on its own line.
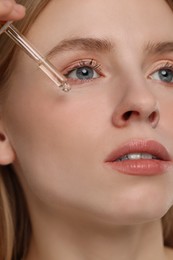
<point x="140" y="157"/>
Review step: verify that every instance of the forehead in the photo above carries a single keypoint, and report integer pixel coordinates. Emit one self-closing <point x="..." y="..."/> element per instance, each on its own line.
<point x="145" y="20"/>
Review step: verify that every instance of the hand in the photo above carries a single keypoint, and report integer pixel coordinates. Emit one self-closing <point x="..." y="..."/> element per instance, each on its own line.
<point x="10" y="10"/>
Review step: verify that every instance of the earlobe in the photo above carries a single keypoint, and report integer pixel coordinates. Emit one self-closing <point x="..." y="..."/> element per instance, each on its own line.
<point x="7" y="154"/>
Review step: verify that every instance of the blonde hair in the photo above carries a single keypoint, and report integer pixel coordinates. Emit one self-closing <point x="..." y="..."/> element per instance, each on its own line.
<point x="15" y="226"/>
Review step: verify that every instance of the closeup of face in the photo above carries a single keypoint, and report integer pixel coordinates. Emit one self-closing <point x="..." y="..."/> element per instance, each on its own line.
<point x="118" y="58"/>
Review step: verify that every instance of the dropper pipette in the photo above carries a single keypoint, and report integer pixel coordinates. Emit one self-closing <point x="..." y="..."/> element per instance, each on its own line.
<point x="48" y="68"/>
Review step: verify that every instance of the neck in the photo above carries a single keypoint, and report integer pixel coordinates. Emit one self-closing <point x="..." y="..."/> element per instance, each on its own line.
<point x="64" y="238"/>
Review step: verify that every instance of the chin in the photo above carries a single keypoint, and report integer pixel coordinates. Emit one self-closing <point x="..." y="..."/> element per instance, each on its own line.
<point x="139" y="214"/>
<point x="133" y="215"/>
<point x="136" y="207"/>
<point x="142" y="211"/>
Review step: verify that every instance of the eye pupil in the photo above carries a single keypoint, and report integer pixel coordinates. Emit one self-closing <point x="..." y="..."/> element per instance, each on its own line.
<point x="166" y="75"/>
<point x="85" y="72"/>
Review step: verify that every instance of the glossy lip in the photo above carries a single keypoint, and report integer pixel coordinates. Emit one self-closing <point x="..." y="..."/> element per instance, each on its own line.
<point x="140" y="166"/>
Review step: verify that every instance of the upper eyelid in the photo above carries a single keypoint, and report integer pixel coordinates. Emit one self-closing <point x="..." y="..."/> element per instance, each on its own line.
<point x="156" y="65"/>
<point x="161" y="65"/>
<point x="151" y="66"/>
<point x="83" y="62"/>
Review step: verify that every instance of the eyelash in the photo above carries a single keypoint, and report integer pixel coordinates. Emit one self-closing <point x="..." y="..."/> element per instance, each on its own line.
<point x="90" y="63"/>
<point x="166" y="66"/>
<point x="95" y="66"/>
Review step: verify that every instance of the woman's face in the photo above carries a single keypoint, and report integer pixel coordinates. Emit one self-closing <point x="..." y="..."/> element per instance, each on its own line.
<point x="120" y="66"/>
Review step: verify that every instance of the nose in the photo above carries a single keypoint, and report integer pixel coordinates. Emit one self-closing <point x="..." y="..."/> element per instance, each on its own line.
<point x="137" y="104"/>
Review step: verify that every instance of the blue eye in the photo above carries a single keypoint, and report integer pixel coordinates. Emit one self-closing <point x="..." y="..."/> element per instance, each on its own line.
<point x="83" y="73"/>
<point x="164" y="74"/>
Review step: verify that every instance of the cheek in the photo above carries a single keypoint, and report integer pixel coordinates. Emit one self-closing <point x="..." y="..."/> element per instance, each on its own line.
<point x="41" y="118"/>
<point x="53" y="136"/>
<point x="166" y="114"/>
<point x="59" y="145"/>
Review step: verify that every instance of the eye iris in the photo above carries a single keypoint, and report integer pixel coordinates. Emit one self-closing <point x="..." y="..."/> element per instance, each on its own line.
<point x="85" y="73"/>
<point x="166" y="75"/>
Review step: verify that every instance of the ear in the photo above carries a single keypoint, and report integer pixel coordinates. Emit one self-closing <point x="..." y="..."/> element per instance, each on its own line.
<point x="7" y="155"/>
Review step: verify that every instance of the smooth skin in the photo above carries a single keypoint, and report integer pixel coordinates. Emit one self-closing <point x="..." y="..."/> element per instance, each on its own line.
<point x="58" y="143"/>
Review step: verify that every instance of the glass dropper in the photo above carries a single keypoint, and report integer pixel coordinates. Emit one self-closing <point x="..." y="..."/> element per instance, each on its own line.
<point x="48" y="68"/>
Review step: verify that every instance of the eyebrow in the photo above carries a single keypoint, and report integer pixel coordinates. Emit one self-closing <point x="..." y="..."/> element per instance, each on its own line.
<point x="82" y="44"/>
<point x="105" y="45"/>
<point x="160" y="48"/>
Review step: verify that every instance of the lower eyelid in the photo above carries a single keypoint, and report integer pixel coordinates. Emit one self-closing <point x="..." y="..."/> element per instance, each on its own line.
<point x="88" y="82"/>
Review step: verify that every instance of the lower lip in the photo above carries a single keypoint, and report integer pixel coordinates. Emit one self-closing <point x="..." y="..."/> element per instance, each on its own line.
<point x="141" y="167"/>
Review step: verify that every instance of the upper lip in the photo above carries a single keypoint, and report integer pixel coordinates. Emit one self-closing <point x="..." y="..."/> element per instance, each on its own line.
<point x="140" y="146"/>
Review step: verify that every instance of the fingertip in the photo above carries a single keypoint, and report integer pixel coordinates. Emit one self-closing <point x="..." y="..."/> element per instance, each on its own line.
<point x="6" y="8"/>
<point x="10" y="11"/>
<point x="18" y="12"/>
<point x="7" y="4"/>
<point x="20" y="9"/>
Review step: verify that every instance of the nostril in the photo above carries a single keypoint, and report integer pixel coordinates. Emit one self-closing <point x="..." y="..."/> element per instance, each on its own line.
<point x="148" y="114"/>
<point x="126" y="116"/>
<point x="2" y="137"/>
<point x="154" y="118"/>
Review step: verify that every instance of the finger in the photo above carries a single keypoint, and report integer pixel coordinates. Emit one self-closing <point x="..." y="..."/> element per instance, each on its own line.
<point x="18" y="12"/>
<point x="5" y="8"/>
<point x="11" y="11"/>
